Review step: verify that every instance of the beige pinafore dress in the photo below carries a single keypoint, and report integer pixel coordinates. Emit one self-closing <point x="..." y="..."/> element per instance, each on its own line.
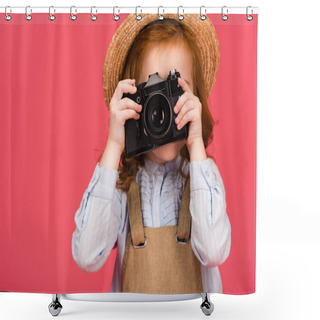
<point x="159" y="260"/>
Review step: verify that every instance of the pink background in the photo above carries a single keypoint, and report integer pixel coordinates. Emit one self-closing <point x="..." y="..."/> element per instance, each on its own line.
<point x="54" y="126"/>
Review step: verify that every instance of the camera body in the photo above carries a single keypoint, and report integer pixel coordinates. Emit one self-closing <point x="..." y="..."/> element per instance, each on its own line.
<point x="156" y="125"/>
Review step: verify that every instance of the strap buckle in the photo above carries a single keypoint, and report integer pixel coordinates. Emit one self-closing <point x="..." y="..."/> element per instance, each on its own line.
<point x="140" y="245"/>
<point x="182" y="241"/>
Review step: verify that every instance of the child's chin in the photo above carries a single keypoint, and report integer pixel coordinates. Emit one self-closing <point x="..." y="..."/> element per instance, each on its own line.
<point x="168" y="151"/>
<point x="167" y="156"/>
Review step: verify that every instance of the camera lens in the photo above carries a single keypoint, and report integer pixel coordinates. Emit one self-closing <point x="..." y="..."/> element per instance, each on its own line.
<point x="157" y="115"/>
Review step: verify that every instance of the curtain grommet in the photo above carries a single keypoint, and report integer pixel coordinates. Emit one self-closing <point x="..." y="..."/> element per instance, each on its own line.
<point x="203" y="16"/>
<point x="6" y="15"/>
<point x="73" y="16"/>
<point x="51" y="16"/>
<point x="180" y="15"/>
<point x="28" y="16"/>
<point x="248" y="16"/>
<point x="160" y="16"/>
<point x="138" y="16"/>
<point x="224" y="16"/>
<point x="92" y="16"/>
<point x="116" y="17"/>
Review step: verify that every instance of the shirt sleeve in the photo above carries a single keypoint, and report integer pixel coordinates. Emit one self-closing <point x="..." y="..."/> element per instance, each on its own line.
<point x="210" y="228"/>
<point x="97" y="220"/>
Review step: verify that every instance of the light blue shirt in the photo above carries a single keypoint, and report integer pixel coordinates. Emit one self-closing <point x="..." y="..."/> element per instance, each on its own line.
<point x="102" y="218"/>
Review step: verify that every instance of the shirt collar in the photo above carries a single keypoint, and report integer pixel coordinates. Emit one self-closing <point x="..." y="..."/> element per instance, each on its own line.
<point x="159" y="168"/>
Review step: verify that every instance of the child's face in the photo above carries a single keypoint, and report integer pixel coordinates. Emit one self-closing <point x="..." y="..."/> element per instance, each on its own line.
<point x="162" y="60"/>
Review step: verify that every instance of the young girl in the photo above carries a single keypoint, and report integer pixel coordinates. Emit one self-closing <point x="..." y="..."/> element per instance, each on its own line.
<point x="164" y="209"/>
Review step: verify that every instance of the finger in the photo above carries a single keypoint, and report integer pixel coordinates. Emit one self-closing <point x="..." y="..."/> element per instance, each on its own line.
<point x="184" y="85"/>
<point x="190" y="104"/>
<point x="127" y="103"/>
<point x="128" y="114"/>
<point x="181" y="101"/>
<point x="186" y="118"/>
<point x="124" y="86"/>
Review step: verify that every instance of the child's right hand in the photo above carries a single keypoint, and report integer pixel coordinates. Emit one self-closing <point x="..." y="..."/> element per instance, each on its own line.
<point x="120" y="110"/>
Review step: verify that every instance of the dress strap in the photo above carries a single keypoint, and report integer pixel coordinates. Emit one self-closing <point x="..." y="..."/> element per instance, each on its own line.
<point x="135" y="214"/>
<point x="184" y="223"/>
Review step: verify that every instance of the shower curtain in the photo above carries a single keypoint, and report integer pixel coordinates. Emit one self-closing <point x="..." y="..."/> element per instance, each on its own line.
<point x="54" y="126"/>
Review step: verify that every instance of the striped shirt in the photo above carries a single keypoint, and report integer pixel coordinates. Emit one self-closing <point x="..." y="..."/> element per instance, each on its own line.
<point x="102" y="218"/>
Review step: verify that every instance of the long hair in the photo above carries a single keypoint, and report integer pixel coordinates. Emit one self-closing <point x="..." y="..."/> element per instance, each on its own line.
<point x="164" y="32"/>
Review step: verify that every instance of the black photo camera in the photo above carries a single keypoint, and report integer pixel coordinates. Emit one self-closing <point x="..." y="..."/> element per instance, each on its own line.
<point x="156" y="125"/>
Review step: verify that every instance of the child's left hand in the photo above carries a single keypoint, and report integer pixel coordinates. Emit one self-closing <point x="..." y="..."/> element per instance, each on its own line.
<point x="189" y="108"/>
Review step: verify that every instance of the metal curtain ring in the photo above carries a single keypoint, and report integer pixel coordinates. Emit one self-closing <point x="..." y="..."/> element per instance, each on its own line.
<point x="116" y="17"/>
<point x="181" y="241"/>
<point x="28" y="16"/>
<point x="180" y="16"/>
<point x="73" y="16"/>
<point x="51" y="16"/>
<point x="203" y="16"/>
<point x="160" y="16"/>
<point x="248" y="16"/>
<point x="93" y="17"/>
<point x="138" y="17"/>
<point x="224" y="17"/>
<point x="7" y="16"/>
<point x="141" y="245"/>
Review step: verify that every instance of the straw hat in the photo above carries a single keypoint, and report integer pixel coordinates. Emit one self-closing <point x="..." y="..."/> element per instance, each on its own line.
<point x="206" y="43"/>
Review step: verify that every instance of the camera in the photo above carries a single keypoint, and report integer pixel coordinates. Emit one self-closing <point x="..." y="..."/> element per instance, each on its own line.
<point x="156" y="125"/>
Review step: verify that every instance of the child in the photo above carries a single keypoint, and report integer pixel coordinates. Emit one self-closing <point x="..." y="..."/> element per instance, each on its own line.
<point x="164" y="209"/>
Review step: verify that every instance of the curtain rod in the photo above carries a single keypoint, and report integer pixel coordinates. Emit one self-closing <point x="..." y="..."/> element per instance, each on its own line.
<point x="126" y="9"/>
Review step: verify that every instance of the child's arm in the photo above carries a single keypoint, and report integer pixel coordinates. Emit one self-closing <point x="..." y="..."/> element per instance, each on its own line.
<point x="99" y="217"/>
<point x="97" y="220"/>
<point x="211" y="229"/>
